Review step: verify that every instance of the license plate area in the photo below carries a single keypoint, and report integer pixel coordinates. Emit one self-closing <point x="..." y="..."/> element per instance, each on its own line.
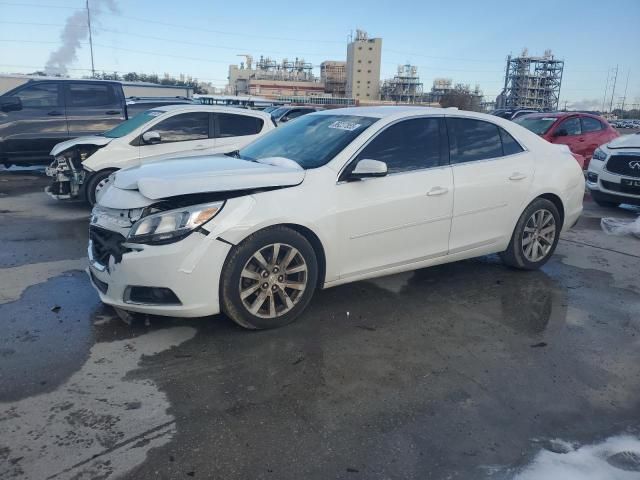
<point x="630" y="183"/>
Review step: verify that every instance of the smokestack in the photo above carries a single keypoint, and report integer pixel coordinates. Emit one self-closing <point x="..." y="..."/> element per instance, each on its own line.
<point x="76" y="30"/>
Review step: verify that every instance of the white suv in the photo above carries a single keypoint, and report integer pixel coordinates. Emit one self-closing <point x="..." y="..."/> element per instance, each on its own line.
<point x="614" y="172"/>
<point x="81" y="164"/>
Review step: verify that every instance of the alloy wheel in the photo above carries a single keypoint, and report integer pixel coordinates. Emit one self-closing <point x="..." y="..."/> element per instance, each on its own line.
<point x="273" y="280"/>
<point x="539" y="235"/>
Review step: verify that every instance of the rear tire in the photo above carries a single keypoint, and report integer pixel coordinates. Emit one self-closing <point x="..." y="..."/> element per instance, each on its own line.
<point x="268" y="279"/>
<point x="535" y="237"/>
<point x="93" y="184"/>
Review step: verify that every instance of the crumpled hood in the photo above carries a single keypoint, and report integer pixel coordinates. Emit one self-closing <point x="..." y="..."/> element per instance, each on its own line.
<point x="625" y="141"/>
<point x="89" y="140"/>
<point x="205" y="174"/>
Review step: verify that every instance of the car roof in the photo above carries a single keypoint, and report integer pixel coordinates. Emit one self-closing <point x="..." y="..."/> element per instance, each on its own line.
<point x="563" y="115"/>
<point x="388" y="111"/>
<point x="208" y="108"/>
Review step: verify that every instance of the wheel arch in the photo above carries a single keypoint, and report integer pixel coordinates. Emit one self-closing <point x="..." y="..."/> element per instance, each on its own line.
<point x="557" y="201"/>
<point x="306" y="232"/>
<point x="318" y="248"/>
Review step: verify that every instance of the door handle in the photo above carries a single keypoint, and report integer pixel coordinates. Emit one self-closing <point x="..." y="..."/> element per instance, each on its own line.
<point x="517" y="176"/>
<point x="437" y="191"/>
<point x="200" y="147"/>
<point x="112" y="112"/>
<point x="54" y="113"/>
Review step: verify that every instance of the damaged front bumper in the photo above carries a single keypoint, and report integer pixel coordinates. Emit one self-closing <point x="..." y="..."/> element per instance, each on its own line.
<point x="67" y="177"/>
<point x="175" y="279"/>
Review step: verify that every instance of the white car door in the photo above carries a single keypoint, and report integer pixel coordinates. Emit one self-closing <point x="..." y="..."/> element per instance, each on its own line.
<point x="183" y="132"/>
<point x="492" y="175"/>
<point x="403" y="217"/>
<point x="234" y="131"/>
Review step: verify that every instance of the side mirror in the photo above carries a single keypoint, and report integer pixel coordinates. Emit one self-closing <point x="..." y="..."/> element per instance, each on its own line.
<point x="10" y="104"/>
<point x="151" y="137"/>
<point x="367" y="168"/>
<point x="283" y="119"/>
<point x="561" y="133"/>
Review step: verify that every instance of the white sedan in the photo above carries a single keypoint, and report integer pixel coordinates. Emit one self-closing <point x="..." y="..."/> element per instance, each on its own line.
<point x="81" y="164"/>
<point x="334" y="197"/>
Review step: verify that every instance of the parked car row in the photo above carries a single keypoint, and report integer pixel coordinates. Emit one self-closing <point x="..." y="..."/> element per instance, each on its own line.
<point x="625" y="123"/>
<point x="333" y="197"/>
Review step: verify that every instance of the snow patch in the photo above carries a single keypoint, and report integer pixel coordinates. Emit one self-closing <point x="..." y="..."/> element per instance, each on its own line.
<point x="613" y="459"/>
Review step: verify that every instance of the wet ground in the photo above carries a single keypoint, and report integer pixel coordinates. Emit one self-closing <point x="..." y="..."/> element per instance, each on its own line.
<point x="462" y="371"/>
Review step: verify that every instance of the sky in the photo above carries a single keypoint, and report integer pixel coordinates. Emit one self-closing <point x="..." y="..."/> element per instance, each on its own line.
<point x="467" y="41"/>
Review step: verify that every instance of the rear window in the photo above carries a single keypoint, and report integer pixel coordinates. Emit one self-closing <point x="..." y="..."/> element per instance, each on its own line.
<point x="538" y="125"/>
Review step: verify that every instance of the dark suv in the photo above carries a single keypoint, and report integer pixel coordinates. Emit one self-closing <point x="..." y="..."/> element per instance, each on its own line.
<point x="42" y="113"/>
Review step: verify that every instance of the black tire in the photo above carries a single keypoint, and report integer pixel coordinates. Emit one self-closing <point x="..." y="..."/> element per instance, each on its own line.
<point x="92" y="184"/>
<point x="241" y="255"/>
<point x="514" y="256"/>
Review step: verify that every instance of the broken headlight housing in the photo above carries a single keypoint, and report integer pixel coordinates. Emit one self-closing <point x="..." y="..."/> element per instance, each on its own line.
<point x="172" y="225"/>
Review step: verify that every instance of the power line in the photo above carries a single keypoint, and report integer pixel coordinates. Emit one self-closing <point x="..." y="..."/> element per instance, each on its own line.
<point x="237" y="48"/>
<point x="39" y="5"/>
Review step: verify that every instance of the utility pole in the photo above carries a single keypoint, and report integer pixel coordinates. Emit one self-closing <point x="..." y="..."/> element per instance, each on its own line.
<point x="613" y="91"/>
<point x="624" y="98"/>
<point x="606" y="87"/>
<point x="93" y="70"/>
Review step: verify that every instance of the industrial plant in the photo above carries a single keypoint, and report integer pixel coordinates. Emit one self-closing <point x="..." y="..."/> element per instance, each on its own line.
<point x="532" y="82"/>
<point x="529" y="82"/>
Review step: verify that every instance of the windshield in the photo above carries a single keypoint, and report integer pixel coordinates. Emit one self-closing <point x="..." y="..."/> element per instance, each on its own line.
<point x="278" y="112"/>
<point x="538" y="125"/>
<point x="311" y="141"/>
<point x="128" y="126"/>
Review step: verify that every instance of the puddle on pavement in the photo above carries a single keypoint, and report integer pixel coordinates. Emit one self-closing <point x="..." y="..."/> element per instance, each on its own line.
<point x="522" y="301"/>
<point x="41" y="347"/>
<point x="97" y="424"/>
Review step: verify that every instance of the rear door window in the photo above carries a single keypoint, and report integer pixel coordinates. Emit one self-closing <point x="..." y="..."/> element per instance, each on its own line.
<point x="183" y="127"/>
<point x="40" y="95"/>
<point x="590" y="125"/>
<point x="91" y="95"/>
<point x="572" y="126"/>
<point x="407" y="145"/>
<point x="472" y="140"/>
<point x="232" y="125"/>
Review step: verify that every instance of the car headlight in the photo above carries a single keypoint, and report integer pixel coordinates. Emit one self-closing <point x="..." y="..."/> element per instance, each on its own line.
<point x="172" y="225"/>
<point x="599" y="155"/>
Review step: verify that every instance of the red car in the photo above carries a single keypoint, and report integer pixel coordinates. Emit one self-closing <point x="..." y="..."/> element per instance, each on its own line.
<point x="581" y="132"/>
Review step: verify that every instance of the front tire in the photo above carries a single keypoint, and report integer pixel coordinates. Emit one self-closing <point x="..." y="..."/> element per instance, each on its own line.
<point x="93" y="185"/>
<point x="269" y="278"/>
<point x="535" y="237"/>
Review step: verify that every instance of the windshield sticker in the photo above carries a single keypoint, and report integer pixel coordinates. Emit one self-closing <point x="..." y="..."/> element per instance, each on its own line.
<point x="548" y="118"/>
<point x="340" y="125"/>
